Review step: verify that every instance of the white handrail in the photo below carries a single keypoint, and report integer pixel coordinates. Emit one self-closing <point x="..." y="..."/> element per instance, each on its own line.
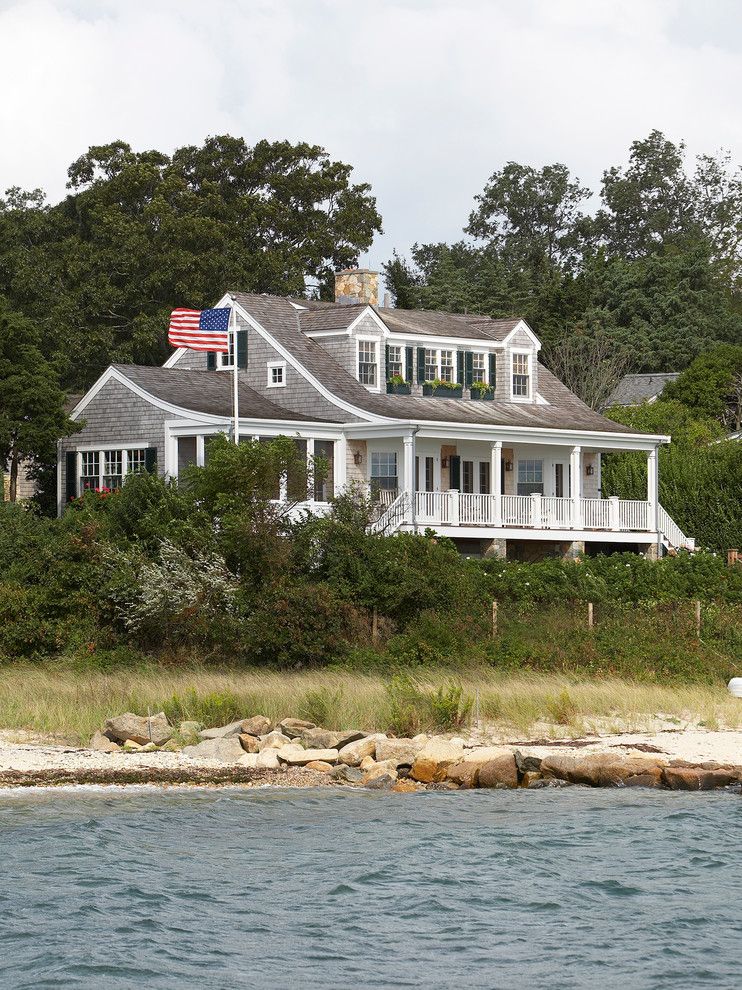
<point x="390" y="520"/>
<point x="673" y="533"/>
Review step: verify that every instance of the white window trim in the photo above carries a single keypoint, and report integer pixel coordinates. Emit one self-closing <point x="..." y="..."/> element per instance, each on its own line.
<point x="377" y="342"/>
<point x="486" y="372"/>
<point x="438" y="367"/>
<point x="402" y="361"/>
<point x="276" y="364"/>
<point x="529" y="355"/>
<point x="101" y="452"/>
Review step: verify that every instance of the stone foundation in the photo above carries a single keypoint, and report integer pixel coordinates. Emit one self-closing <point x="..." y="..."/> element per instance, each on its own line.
<point x="495" y="548"/>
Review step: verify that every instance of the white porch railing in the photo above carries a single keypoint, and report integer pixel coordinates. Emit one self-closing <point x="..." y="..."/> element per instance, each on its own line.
<point x="633" y="515"/>
<point x="392" y="518"/>
<point x="672" y="532"/>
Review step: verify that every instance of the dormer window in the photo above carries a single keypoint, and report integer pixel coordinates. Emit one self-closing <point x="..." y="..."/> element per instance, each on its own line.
<point x="479" y="367"/>
<point x="521" y="376"/>
<point x="440" y="365"/>
<point x="368" y="363"/>
<point x="394" y="362"/>
<point x="447" y="374"/>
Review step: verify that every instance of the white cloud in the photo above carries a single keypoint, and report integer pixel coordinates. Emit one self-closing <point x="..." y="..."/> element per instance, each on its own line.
<point x="424" y="97"/>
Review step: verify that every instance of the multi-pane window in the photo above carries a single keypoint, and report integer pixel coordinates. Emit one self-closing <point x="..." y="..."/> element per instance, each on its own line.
<point x="113" y="468"/>
<point x="479" y="367"/>
<point x="276" y="375"/>
<point x="383" y="471"/>
<point x="394" y="362"/>
<point x="431" y="365"/>
<point x="484" y="477"/>
<point x="530" y="477"/>
<point x="367" y="362"/>
<point x="521" y="374"/>
<point x="136" y="461"/>
<point x="447" y="366"/>
<point x="467" y="476"/>
<point x="90" y="470"/>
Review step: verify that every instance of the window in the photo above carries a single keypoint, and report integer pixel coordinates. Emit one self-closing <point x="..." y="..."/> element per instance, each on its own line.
<point x="90" y="472"/>
<point x="383" y="472"/>
<point x="225" y="359"/>
<point x="479" y="367"/>
<point x="368" y="362"/>
<point x="136" y="461"/>
<point x="113" y="468"/>
<point x="394" y="364"/>
<point x="484" y="477"/>
<point x="431" y="365"/>
<point x="530" y="477"/>
<point x="521" y="375"/>
<point x="467" y="476"/>
<point x="447" y="366"/>
<point x="276" y="374"/>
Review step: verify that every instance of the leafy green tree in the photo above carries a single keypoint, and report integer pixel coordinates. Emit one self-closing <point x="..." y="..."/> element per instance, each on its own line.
<point x="669" y="417"/>
<point x="32" y="414"/>
<point x="712" y="386"/>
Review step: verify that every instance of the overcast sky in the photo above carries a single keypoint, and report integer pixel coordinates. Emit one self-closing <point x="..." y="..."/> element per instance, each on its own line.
<point x="425" y="98"/>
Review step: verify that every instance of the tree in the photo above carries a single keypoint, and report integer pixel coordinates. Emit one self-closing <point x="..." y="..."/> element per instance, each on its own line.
<point x="32" y="416"/>
<point x="141" y="232"/>
<point x="591" y="366"/>
<point x="712" y="386"/>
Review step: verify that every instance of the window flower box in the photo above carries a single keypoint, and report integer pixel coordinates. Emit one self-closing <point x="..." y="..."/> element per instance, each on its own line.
<point x="443" y="390"/>
<point x="397" y="386"/>
<point x="482" y="391"/>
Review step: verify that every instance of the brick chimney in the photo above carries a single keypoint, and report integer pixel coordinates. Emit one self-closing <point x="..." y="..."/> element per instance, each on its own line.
<point x="357" y="285"/>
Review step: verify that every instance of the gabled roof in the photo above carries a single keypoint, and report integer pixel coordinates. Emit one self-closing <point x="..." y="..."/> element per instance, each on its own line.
<point x="632" y="390"/>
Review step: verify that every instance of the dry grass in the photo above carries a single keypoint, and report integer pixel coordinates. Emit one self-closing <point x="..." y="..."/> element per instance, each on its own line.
<point x="71" y="704"/>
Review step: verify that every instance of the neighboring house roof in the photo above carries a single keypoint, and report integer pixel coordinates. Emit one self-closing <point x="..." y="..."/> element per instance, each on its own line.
<point x="632" y="390"/>
<point x="206" y="392"/>
<point x="564" y="410"/>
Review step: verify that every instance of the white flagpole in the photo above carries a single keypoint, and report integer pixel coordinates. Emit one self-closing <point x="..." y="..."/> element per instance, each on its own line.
<point x="235" y="380"/>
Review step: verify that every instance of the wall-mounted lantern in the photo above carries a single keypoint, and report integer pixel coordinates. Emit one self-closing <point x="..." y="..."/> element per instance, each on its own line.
<point x="508" y="465"/>
<point x="357" y="458"/>
<point x="444" y="463"/>
<point x="589" y="470"/>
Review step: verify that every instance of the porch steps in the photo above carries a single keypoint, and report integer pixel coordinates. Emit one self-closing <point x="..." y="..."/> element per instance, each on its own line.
<point x="392" y="517"/>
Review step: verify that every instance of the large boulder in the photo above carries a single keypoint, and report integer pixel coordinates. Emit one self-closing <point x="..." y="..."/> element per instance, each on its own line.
<point x="250" y="744"/>
<point x="139" y="728"/>
<point x="346" y="736"/>
<point x="353" y="754"/>
<point x="320" y="766"/>
<point x="267" y="759"/>
<point x="293" y="727"/>
<point x="273" y="740"/>
<point x="499" y="772"/>
<point x="486" y="754"/>
<point x="102" y="744"/>
<point x="222" y="731"/>
<point x="345" y="774"/>
<point x="465" y="774"/>
<point x="698" y="778"/>
<point x="296" y="756"/>
<point x="258" y="725"/>
<point x="385" y="768"/>
<point x="319" y="739"/>
<point x="249" y="760"/>
<point x="603" y="769"/>
<point x="434" y="759"/>
<point x="227" y="750"/>
<point x="403" y="751"/>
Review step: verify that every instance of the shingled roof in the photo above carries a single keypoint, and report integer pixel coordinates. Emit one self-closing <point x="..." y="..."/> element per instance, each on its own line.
<point x="632" y="390"/>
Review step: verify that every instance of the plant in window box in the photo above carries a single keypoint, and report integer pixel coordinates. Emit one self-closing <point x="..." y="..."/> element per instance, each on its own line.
<point x="396" y="385"/>
<point x="483" y="391"/>
<point x="443" y="390"/>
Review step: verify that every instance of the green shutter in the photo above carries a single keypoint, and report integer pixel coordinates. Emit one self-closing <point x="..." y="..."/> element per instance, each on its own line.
<point x="408" y="364"/>
<point x="454" y="472"/>
<point x="211" y="361"/>
<point x="150" y="459"/>
<point x="242" y="349"/>
<point x="460" y="367"/>
<point x="420" y="365"/>
<point x="468" y="368"/>
<point x="493" y="369"/>
<point x="386" y="362"/>
<point x="71" y="472"/>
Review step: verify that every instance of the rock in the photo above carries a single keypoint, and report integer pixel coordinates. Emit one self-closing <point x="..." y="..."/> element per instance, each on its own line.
<point x="249" y="743"/>
<point x="226" y="750"/>
<point x="435" y="758"/>
<point x="354" y="752"/>
<point x="644" y="779"/>
<point x="367" y="762"/>
<point x="404" y="751"/>
<point x="697" y="779"/>
<point x="529" y="778"/>
<point x="600" y="769"/>
<point x="548" y="782"/>
<point x="320" y="766"/>
<point x="387" y="768"/>
<point x="189" y="728"/>
<point x="500" y="772"/>
<point x="527" y="764"/>
<point x="296" y="756"/>
<point x="273" y="740"/>
<point x="293" y="727"/>
<point x="344" y="774"/>
<point x="347" y="736"/>
<point x="130" y="746"/>
<point x="140" y="729"/>
<point x="465" y="774"/>
<point x="267" y="759"/>
<point x="319" y="739"/>
<point x="249" y="760"/>
<point x="258" y="725"/>
<point x="486" y="754"/>
<point x="407" y="787"/>
<point x="149" y="748"/>
<point x="102" y="744"/>
<point x="222" y="731"/>
<point x="381" y="783"/>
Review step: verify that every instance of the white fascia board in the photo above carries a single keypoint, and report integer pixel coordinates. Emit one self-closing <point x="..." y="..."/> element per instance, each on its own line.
<point x="175" y="357"/>
<point x="370" y="311"/>
<point x="522" y="325"/>
<point x="433" y="342"/>
<point x="314" y="334"/>
<point x="297" y="366"/>
<point x="265" y="427"/>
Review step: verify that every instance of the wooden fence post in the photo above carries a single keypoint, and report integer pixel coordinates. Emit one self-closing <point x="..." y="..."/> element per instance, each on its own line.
<point x="375" y="626"/>
<point x="732" y="557"/>
<point x="494" y="620"/>
<point x="698" y="620"/>
<point x="589" y="615"/>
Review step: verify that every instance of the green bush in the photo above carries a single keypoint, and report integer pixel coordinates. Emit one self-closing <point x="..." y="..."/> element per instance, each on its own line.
<point x="414" y="708"/>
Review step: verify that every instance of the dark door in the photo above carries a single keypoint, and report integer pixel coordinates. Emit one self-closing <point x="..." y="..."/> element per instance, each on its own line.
<point x="455" y="472"/>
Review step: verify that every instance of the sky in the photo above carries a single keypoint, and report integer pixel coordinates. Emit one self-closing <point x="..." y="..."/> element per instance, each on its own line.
<point x="425" y="98"/>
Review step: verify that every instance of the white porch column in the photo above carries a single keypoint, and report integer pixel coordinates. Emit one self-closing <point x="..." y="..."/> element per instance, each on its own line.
<point x="339" y="465"/>
<point x="408" y="475"/>
<point x="653" y="497"/>
<point x="496" y="481"/>
<point x="310" y="469"/>
<point x="575" y="486"/>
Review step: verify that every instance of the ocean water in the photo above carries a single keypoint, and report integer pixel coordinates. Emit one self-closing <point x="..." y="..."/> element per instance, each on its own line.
<point x="153" y="888"/>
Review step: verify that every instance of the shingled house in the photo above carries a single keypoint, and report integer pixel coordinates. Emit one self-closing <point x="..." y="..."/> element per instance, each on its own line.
<point x="448" y="419"/>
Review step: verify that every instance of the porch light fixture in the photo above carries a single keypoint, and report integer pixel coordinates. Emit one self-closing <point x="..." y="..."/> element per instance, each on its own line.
<point x="357" y="458"/>
<point x="589" y="470"/>
<point x="444" y="462"/>
<point x="508" y="465"/>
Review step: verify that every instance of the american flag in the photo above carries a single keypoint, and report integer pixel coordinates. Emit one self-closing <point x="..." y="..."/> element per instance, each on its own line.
<point x="200" y="329"/>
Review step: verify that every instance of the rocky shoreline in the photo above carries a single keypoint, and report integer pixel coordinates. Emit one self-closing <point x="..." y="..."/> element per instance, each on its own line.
<point x="256" y="752"/>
